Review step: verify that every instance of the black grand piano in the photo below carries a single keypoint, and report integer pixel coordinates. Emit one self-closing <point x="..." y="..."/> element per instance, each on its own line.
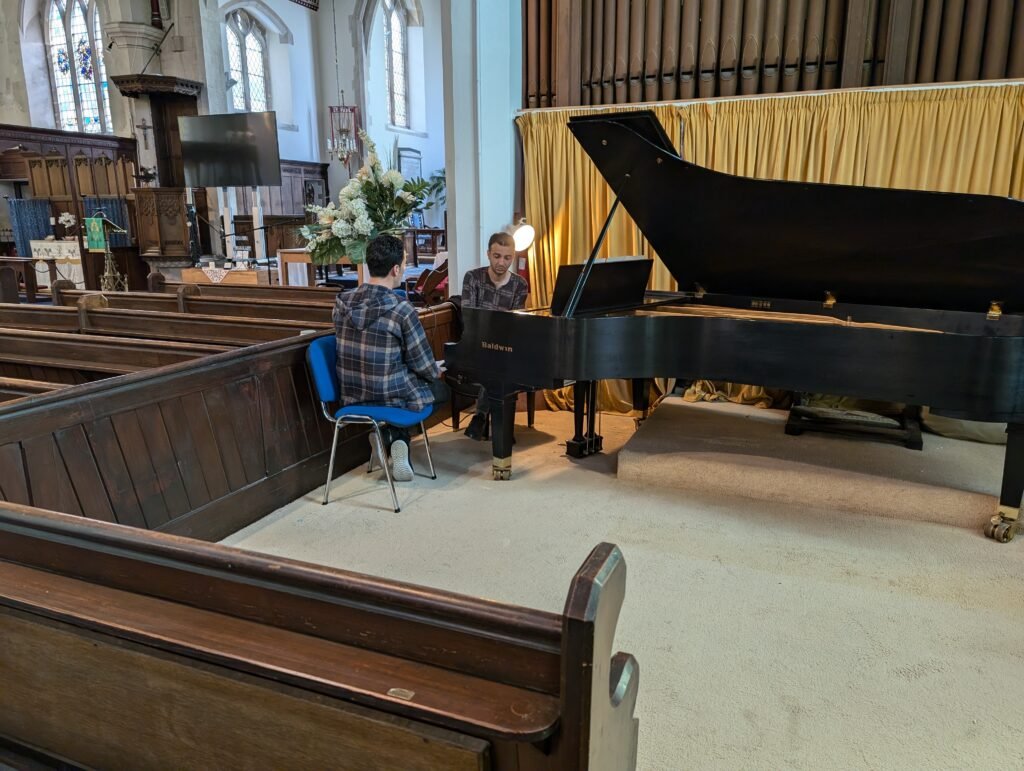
<point x="896" y="295"/>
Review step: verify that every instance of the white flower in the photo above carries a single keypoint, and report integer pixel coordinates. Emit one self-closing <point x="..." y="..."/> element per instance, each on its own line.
<point x="394" y="179"/>
<point x="356" y="207"/>
<point x="327" y="216"/>
<point x="363" y="225"/>
<point x="341" y="229"/>
<point x="406" y="196"/>
<point x="67" y="219"/>
<point x="351" y="190"/>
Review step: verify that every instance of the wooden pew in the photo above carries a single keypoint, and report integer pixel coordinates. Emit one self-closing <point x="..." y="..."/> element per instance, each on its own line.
<point x="439" y="321"/>
<point x="159" y="284"/>
<point x="201" y="447"/>
<point x="12" y="388"/>
<point x="130" y="649"/>
<point x="94" y="317"/>
<point x="191" y="302"/>
<point x="94" y="354"/>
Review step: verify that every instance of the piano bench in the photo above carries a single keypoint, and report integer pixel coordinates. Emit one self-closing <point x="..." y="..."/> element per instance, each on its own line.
<point x="469" y="394"/>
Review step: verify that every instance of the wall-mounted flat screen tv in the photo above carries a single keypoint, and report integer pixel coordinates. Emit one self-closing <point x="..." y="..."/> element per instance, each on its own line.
<point x="233" y="150"/>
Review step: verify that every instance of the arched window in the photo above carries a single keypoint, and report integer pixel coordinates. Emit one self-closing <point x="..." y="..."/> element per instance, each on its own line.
<point x="248" y="63"/>
<point x="396" y="46"/>
<point x="77" y="72"/>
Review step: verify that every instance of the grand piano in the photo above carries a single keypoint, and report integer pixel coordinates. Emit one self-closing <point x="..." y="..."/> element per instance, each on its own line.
<point x="897" y="295"/>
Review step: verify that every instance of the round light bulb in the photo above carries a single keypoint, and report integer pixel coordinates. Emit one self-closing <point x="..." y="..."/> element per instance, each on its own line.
<point x="523" y="236"/>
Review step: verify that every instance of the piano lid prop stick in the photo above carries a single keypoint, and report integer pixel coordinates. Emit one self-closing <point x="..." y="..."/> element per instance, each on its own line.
<point x="577" y="290"/>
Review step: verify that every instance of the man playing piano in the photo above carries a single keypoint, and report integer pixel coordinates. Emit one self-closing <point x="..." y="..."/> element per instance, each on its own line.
<point x="498" y="288"/>
<point x="383" y="354"/>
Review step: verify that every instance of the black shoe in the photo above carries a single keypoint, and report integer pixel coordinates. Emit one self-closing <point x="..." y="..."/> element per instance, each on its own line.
<point x="475" y="430"/>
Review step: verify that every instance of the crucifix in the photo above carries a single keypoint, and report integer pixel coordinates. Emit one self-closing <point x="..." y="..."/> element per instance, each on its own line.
<point x="145" y="132"/>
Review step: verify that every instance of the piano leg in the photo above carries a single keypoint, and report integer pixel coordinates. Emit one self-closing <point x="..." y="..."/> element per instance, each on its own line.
<point x="503" y="421"/>
<point x="584" y="407"/>
<point x="641" y="399"/>
<point x="1003" y="526"/>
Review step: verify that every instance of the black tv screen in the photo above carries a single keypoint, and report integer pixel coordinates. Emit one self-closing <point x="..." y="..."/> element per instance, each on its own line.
<point x="233" y="150"/>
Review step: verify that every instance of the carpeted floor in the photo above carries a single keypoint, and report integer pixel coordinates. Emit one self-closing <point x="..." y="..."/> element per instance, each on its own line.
<point x="769" y="635"/>
<point x="727" y="449"/>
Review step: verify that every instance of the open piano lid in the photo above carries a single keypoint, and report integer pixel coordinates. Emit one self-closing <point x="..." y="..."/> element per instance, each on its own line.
<point x="797" y="240"/>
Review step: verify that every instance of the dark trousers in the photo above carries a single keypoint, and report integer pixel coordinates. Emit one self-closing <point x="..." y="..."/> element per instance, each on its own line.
<point x="440" y="394"/>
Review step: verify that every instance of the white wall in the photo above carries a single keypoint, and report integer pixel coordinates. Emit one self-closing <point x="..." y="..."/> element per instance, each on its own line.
<point x="426" y="94"/>
<point x="483" y="71"/>
<point x="293" y="45"/>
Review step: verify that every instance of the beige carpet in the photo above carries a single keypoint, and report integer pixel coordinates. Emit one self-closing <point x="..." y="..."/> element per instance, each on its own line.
<point x="723" y="449"/>
<point x="769" y="635"/>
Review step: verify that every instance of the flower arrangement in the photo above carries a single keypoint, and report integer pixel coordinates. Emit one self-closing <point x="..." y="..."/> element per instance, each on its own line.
<point x="373" y="203"/>
<point x="68" y="220"/>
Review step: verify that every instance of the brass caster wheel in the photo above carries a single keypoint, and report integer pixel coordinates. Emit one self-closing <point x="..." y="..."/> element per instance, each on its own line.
<point x="502" y="474"/>
<point x="1001" y="531"/>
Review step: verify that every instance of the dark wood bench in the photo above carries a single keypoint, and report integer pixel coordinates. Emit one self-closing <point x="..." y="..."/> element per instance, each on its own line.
<point x="17" y="388"/>
<point x="93" y="353"/>
<point x="130" y="649"/>
<point x="159" y="284"/>
<point x="439" y="321"/>
<point x="189" y="301"/>
<point x="93" y="316"/>
<point x="201" y="448"/>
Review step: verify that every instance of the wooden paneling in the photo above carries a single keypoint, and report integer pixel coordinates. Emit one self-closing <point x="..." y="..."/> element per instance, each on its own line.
<point x="629" y="51"/>
<point x="302" y="183"/>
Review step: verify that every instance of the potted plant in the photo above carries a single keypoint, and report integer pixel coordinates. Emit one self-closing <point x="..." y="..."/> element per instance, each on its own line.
<point x="373" y="203"/>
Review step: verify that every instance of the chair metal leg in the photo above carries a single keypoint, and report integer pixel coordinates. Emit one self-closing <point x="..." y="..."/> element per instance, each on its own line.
<point x="387" y="470"/>
<point x="426" y="443"/>
<point x="330" y="465"/>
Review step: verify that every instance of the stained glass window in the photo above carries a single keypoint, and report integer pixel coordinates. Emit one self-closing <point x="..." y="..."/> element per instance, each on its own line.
<point x="247" y="62"/>
<point x="397" y="64"/>
<point x="77" y="72"/>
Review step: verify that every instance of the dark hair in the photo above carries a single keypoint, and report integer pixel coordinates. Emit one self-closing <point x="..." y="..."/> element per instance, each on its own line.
<point x="501" y="237"/>
<point x="382" y="254"/>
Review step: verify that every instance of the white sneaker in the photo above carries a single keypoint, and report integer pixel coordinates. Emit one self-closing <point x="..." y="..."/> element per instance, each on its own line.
<point x="401" y="469"/>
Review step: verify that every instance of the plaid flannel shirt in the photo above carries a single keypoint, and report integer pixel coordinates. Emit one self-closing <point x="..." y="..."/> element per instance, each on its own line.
<point x="478" y="291"/>
<point x="383" y="354"/>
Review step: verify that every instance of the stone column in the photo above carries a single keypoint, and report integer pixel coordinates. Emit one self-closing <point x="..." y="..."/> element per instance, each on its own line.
<point x="482" y="51"/>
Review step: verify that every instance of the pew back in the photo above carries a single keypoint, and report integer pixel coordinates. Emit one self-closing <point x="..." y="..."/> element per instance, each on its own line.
<point x="385" y="670"/>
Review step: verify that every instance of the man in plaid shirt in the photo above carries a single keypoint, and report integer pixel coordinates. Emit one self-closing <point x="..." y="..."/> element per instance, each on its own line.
<point x="383" y="354"/>
<point x="497" y="288"/>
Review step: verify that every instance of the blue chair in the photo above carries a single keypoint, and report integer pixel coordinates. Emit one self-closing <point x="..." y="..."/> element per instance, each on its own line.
<point x="322" y="356"/>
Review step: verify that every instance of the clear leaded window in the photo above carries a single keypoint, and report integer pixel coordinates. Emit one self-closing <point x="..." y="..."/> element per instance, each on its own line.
<point x="77" y="72"/>
<point x="396" y="46"/>
<point x="247" y="63"/>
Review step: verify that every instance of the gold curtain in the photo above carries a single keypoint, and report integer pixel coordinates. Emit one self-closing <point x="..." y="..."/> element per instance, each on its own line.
<point x="567" y="201"/>
<point x="952" y="139"/>
<point x="957" y="139"/>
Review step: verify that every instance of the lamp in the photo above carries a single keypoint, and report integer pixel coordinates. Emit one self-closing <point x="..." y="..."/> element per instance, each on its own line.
<point x="522" y="235"/>
<point x="342" y="119"/>
<point x="343" y="143"/>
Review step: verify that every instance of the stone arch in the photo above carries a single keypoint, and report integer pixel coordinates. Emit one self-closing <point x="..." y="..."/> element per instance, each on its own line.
<point x="266" y="15"/>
